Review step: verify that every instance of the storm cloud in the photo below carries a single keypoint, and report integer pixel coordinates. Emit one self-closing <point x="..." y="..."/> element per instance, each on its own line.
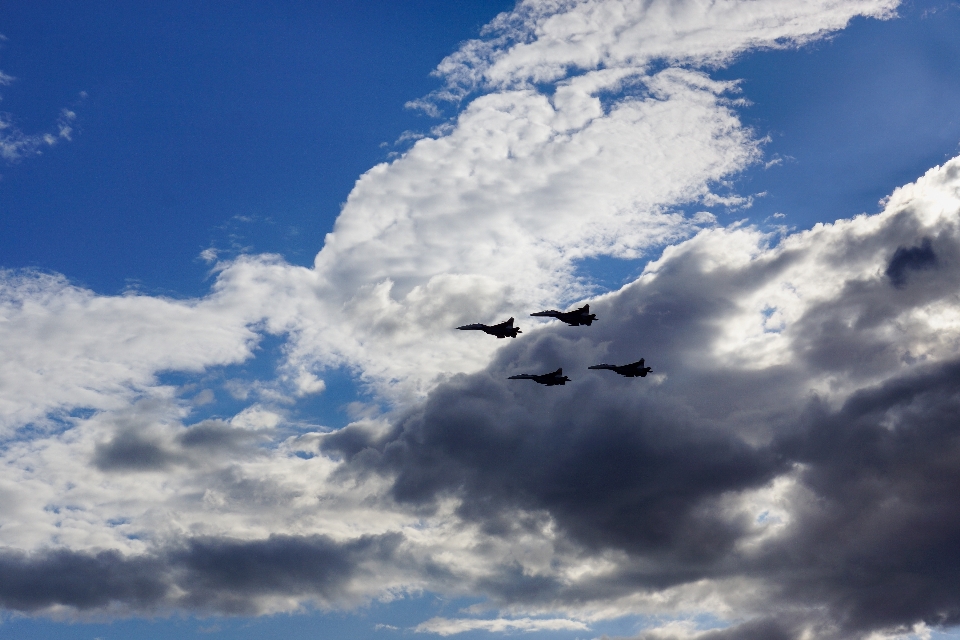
<point x="800" y="436"/>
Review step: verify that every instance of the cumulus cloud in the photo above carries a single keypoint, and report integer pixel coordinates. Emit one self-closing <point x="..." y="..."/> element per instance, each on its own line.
<point x="817" y="483"/>
<point x="482" y="221"/>
<point x="809" y="470"/>
<point x="805" y="467"/>
<point x="598" y="155"/>
<point x="65" y="347"/>
<point x="790" y="467"/>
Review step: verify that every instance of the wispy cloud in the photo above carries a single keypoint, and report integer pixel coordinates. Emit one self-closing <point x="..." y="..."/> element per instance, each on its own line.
<point x="453" y="626"/>
<point x="16" y="145"/>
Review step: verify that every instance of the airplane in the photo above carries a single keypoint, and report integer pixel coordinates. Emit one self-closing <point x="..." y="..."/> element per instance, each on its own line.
<point x="503" y="330"/>
<point x="549" y="379"/>
<point x="573" y="318"/>
<point x="631" y="370"/>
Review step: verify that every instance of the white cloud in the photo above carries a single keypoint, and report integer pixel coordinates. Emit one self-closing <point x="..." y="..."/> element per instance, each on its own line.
<point x="15" y="144"/>
<point x="487" y="220"/>
<point x="542" y="41"/>
<point x="449" y="627"/>
<point x="65" y="347"/>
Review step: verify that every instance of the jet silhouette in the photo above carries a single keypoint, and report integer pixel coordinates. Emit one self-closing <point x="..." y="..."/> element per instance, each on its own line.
<point x="573" y="318"/>
<point x="503" y="330"/>
<point x="631" y="370"/>
<point x="549" y="379"/>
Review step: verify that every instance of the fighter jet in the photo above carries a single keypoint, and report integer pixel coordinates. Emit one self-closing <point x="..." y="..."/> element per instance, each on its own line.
<point x="549" y="379"/>
<point x="631" y="370"/>
<point x="503" y="330"/>
<point x="573" y="318"/>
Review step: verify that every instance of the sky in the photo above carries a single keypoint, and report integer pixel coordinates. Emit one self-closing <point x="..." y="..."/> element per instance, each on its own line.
<point x="236" y="241"/>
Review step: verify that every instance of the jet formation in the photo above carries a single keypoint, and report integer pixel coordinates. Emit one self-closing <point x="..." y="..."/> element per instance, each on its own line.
<point x="575" y="318"/>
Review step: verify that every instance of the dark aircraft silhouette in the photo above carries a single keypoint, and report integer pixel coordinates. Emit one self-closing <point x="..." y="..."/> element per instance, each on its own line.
<point x="573" y="318"/>
<point x="631" y="370"/>
<point x="503" y="330"/>
<point x="549" y="379"/>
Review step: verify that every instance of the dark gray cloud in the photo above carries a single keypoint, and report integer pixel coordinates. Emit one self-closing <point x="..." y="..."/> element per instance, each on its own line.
<point x="880" y="545"/>
<point x="647" y="466"/>
<point x="214" y="575"/>
<point x="231" y="576"/>
<point x="781" y="628"/>
<point x="910" y="259"/>
<point x="139" y="445"/>
<point x="79" y="580"/>
<point x="132" y="451"/>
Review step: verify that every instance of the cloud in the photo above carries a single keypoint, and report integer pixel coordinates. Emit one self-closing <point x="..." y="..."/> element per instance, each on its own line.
<point x="475" y="224"/>
<point x="809" y="468"/>
<point x="575" y="147"/>
<point x="449" y="627"/>
<point x="784" y="627"/>
<point x="912" y="259"/>
<point x="541" y="42"/>
<point x="203" y="574"/>
<point x="760" y="629"/>
<point x="16" y="145"/>
<point x="65" y="347"/>
<point x="794" y="453"/>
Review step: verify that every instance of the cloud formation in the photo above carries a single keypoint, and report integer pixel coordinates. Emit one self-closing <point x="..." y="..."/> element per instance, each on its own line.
<point x="793" y="454"/>
<point x="798" y="454"/>
<point x="491" y="215"/>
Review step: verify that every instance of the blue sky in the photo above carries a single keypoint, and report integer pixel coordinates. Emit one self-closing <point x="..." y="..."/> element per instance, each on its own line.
<point x="172" y="332"/>
<point x="198" y="117"/>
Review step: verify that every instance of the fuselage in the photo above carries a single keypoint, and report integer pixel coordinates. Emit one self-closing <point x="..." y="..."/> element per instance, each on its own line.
<point x="581" y="316"/>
